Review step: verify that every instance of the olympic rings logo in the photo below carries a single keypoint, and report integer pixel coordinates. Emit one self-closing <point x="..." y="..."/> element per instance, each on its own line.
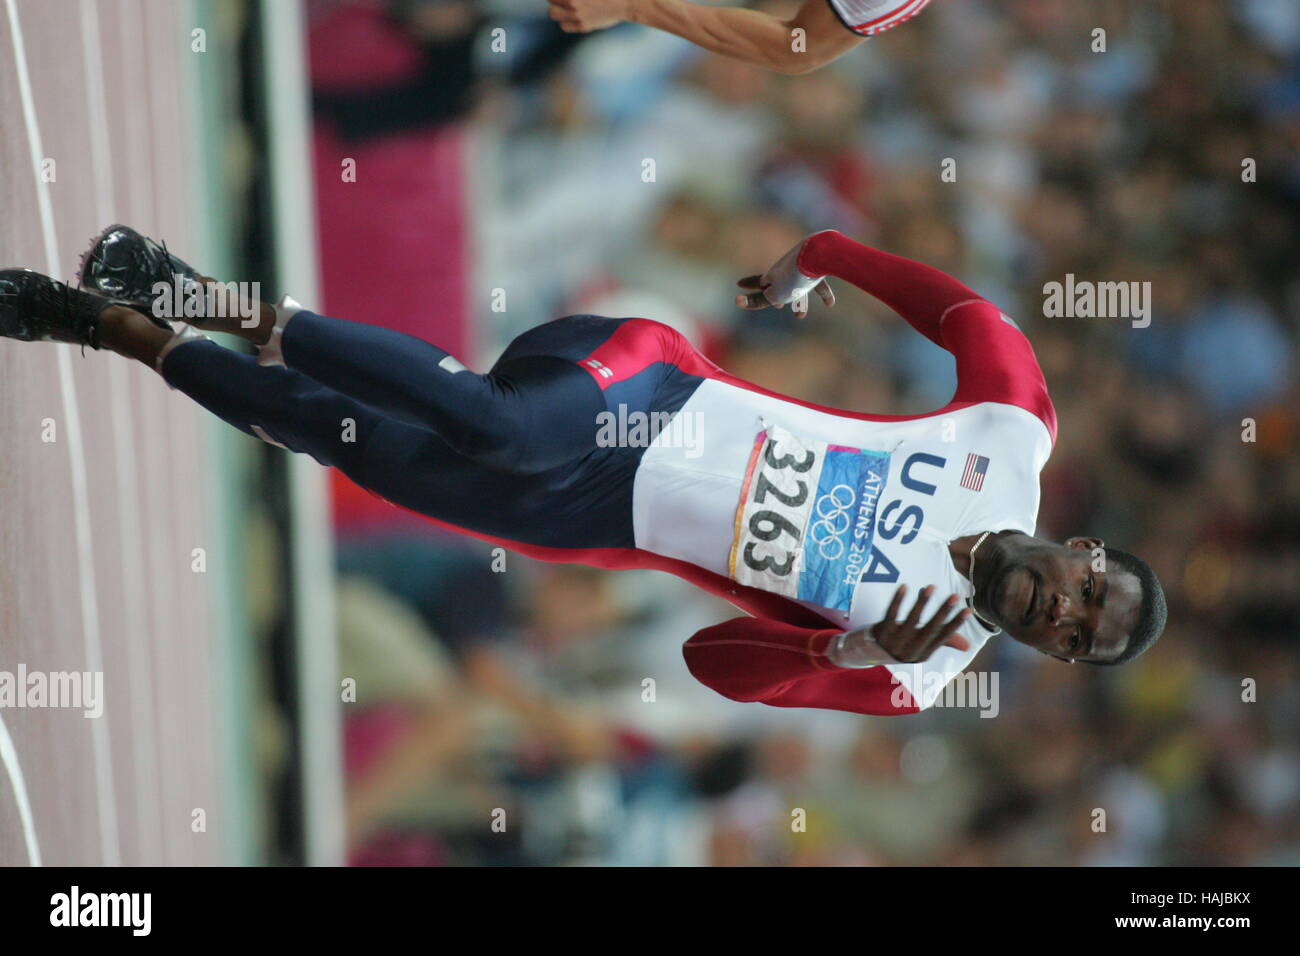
<point x="827" y="530"/>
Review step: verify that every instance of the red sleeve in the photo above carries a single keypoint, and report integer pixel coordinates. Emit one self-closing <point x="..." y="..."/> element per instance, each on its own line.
<point x="995" y="362"/>
<point x="784" y="665"/>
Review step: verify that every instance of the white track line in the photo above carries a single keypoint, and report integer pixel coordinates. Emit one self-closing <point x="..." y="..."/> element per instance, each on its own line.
<point x="106" y="796"/>
<point x="9" y="753"/>
<point x="9" y="758"/>
<point x="140" y="661"/>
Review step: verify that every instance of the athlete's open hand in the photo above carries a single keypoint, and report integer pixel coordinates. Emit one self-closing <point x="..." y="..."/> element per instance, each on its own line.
<point x="784" y="284"/>
<point x="909" y="641"/>
<point x="583" y="16"/>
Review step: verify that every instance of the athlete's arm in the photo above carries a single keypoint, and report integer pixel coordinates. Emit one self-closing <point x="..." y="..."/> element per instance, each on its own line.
<point x="750" y="35"/>
<point x="995" y="362"/>
<point x="785" y="665"/>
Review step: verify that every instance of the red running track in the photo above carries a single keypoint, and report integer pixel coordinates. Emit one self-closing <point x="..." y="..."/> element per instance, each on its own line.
<point x="116" y="589"/>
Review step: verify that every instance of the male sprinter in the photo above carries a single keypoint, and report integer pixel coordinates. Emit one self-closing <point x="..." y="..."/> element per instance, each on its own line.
<point x="815" y="521"/>
<point x="819" y="32"/>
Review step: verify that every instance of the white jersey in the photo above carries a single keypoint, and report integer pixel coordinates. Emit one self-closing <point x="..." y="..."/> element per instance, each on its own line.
<point x="913" y="485"/>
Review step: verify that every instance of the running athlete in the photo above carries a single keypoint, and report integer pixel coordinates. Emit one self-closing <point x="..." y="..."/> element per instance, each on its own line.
<point x="614" y="443"/>
<point x="819" y="32"/>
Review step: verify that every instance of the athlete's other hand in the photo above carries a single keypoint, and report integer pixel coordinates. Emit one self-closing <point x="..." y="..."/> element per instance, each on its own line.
<point x="759" y="297"/>
<point x="784" y="284"/>
<point x="584" y="16"/>
<point x="909" y="641"/>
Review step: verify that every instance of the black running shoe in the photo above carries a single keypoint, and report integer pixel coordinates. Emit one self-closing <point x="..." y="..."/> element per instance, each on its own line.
<point x="36" y="308"/>
<point x="124" y="265"/>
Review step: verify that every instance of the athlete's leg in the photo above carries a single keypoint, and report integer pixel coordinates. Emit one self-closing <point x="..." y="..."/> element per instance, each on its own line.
<point x="579" y="507"/>
<point x="584" y="505"/>
<point x="539" y="408"/>
<point x="274" y="403"/>
<point x="522" y="416"/>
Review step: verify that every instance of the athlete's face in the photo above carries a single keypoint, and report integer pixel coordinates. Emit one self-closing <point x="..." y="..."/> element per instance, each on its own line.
<point x="1054" y="598"/>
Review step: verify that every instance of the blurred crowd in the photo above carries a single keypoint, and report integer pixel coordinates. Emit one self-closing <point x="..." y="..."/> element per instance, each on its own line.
<point x="541" y="714"/>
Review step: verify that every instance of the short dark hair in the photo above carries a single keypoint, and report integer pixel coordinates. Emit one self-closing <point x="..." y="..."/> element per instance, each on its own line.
<point x="1152" y="612"/>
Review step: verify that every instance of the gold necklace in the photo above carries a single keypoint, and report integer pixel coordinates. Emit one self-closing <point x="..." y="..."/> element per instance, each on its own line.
<point x="979" y="617"/>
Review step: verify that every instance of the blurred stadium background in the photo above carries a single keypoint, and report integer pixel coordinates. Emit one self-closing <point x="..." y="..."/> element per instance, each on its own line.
<point x="351" y="684"/>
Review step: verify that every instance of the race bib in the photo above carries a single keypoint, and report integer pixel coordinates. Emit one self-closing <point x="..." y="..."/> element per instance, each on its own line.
<point x="807" y="517"/>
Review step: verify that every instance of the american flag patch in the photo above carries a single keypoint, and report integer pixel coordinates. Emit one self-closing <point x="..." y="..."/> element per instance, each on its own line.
<point x="973" y="476"/>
